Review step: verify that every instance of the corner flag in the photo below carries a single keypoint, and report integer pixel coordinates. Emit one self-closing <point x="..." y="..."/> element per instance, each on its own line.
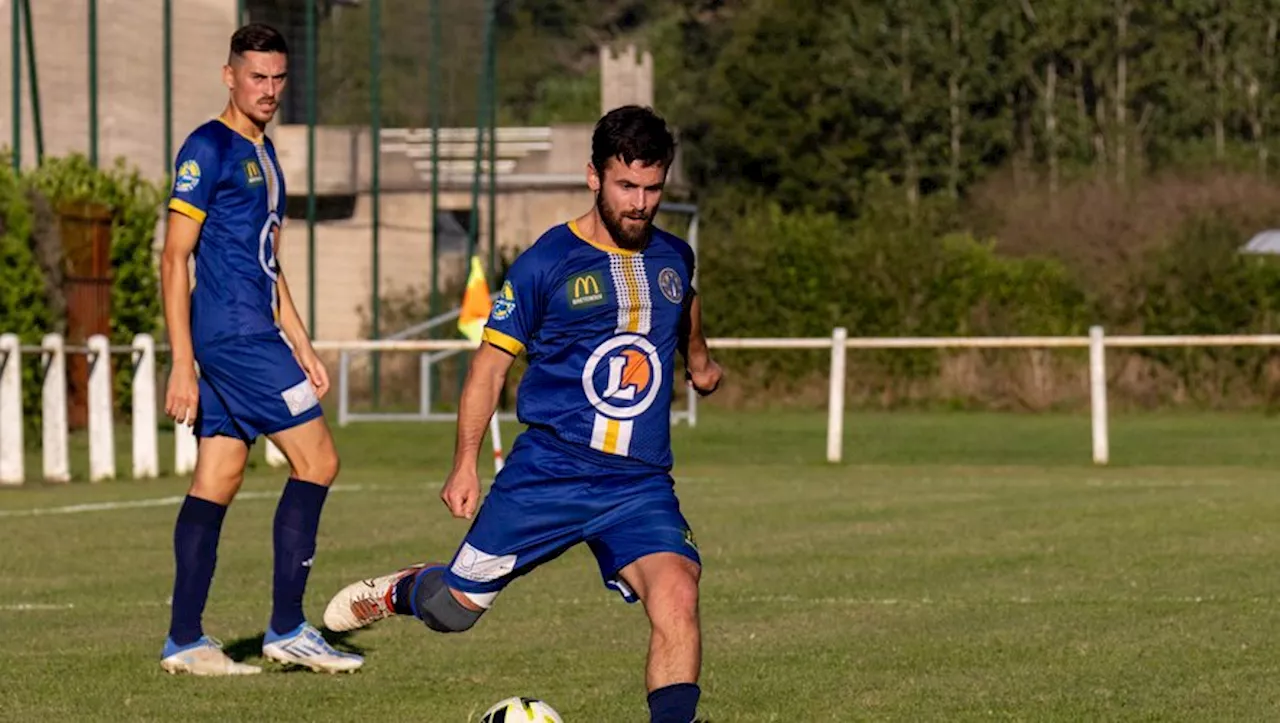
<point x="476" y="304"/>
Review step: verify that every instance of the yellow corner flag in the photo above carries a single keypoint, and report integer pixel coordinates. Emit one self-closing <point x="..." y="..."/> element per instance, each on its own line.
<point x="475" y="303"/>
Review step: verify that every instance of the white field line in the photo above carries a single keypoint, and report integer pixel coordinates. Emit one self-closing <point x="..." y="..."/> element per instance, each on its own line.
<point x="152" y="502"/>
<point x="798" y="600"/>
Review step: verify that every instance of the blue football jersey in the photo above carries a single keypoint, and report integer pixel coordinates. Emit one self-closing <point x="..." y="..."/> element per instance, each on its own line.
<point x="234" y="187"/>
<point x="600" y="329"/>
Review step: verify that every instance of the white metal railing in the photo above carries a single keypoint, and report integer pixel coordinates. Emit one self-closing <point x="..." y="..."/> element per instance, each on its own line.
<point x="142" y="352"/>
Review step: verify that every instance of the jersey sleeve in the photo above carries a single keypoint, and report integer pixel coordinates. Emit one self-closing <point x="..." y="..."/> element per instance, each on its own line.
<point x="196" y="172"/>
<point x="517" y="312"/>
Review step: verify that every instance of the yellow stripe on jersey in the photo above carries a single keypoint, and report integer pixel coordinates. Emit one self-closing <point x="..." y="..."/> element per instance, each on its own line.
<point x="611" y="436"/>
<point x="630" y="284"/>
<point x="507" y="343"/>
<point x="273" y="183"/>
<point x="186" y="209"/>
<point x="633" y="298"/>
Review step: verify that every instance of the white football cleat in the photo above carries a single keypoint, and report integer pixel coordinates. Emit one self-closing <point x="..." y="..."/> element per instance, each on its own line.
<point x="304" y="646"/>
<point x="365" y="602"/>
<point x="203" y="657"/>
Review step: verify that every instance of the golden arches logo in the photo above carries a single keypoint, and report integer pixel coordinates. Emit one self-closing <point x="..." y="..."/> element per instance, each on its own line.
<point x="584" y="285"/>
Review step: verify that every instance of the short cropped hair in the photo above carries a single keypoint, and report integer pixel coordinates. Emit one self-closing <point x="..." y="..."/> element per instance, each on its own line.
<point x="258" y="37"/>
<point x="632" y="133"/>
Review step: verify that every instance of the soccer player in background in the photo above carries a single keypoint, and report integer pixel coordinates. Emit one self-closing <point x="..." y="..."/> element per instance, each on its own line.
<point x="600" y="305"/>
<point x="234" y="377"/>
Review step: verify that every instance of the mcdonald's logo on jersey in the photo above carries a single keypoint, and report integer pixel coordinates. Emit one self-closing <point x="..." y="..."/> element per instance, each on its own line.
<point x="585" y="290"/>
<point x="252" y="172"/>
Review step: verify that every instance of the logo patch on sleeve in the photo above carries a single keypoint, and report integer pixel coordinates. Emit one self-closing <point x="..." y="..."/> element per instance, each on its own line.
<point x="505" y="303"/>
<point x="300" y="397"/>
<point x="188" y="176"/>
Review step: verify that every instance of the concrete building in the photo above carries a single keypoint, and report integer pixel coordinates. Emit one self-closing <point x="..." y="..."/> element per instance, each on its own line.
<point x="541" y="172"/>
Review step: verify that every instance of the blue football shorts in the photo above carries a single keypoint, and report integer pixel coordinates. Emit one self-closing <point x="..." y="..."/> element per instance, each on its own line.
<point x="252" y="386"/>
<point x="552" y="495"/>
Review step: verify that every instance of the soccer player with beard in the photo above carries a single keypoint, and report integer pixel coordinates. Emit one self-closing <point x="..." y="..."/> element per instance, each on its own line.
<point x="243" y="365"/>
<point x="600" y="306"/>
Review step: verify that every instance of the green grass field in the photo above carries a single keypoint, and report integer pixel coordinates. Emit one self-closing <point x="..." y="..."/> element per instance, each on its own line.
<point x="956" y="567"/>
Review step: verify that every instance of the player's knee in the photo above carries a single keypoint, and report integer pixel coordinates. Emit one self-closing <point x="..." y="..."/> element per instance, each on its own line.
<point x="320" y="467"/>
<point x="683" y="596"/>
<point x="674" y="601"/>
<point x="438" y="608"/>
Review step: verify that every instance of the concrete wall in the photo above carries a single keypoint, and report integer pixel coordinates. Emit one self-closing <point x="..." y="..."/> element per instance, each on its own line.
<point x="344" y="251"/>
<point x="546" y="185"/>
<point x="130" y="76"/>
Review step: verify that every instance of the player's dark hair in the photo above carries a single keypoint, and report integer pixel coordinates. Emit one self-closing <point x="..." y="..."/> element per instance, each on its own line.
<point x="632" y="133"/>
<point x="258" y="37"/>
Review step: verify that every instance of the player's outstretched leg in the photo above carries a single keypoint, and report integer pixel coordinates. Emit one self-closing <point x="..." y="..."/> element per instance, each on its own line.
<point x="667" y="584"/>
<point x="219" y="472"/>
<point x="419" y="591"/>
<point x="313" y="462"/>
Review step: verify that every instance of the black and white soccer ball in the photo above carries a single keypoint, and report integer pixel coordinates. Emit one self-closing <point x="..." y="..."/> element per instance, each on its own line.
<point x="521" y="710"/>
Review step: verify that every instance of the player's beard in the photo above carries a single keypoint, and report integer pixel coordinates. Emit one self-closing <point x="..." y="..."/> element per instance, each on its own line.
<point x="632" y="237"/>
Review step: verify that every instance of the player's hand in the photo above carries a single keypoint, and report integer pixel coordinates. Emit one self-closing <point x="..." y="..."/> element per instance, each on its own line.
<point x="461" y="493"/>
<point x="314" y="368"/>
<point x="704" y="379"/>
<point x="182" y="398"/>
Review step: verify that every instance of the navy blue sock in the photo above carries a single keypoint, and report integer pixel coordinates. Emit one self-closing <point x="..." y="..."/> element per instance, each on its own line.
<point x="402" y="598"/>
<point x="294" y="539"/>
<point x="674" y="704"/>
<point x="195" y="554"/>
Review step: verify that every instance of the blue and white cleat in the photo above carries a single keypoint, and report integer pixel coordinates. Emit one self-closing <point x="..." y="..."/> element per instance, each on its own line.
<point x="304" y="646"/>
<point x="203" y="657"/>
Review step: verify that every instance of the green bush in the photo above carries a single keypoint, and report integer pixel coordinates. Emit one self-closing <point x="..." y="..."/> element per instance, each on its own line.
<point x="768" y="273"/>
<point x="24" y="309"/>
<point x="1201" y="284"/>
<point x="133" y="203"/>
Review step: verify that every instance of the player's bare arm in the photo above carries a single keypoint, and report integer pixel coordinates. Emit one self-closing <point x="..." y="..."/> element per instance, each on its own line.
<point x="704" y="373"/>
<point x="183" y="394"/>
<point x="485" y="377"/>
<point x="296" y="332"/>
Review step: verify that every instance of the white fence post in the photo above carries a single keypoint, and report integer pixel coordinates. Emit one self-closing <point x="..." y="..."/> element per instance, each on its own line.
<point x="1098" y="394"/>
<point x="185" y="448"/>
<point x="11" y="453"/>
<point x="57" y="462"/>
<point x="275" y="458"/>
<point x="102" y="441"/>
<point x="691" y="416"/>
<point x="344" y="389"/>
<point x="835" y="400"/>
<point x="146" y="453"/>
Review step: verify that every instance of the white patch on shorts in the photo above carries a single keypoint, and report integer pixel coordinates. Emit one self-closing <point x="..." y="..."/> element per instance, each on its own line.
<point x="300" y="397"/>
<point x="479" y="566"/>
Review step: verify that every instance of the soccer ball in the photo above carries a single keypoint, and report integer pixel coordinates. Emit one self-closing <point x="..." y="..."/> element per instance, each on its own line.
<point x="521" y="710"/>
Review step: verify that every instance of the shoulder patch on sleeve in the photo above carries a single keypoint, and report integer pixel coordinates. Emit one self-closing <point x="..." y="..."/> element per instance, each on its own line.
<point x="505" y="303"/>
<point x="188" y="176"/>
